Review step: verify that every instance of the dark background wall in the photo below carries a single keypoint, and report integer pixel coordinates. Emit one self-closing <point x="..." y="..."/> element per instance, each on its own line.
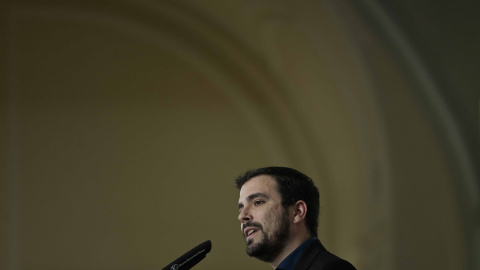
<point x="125" y="123"/>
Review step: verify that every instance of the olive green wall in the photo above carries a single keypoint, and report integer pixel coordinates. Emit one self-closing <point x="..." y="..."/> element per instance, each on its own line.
<point x="125" y="122"/>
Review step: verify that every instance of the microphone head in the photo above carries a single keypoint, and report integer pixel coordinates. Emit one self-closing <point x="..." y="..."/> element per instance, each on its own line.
<point x="191" y="258"/>
<point x="207" y="245"/>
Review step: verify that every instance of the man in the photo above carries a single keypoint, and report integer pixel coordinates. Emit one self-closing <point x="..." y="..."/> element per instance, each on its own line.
<point x="278" y="211"/>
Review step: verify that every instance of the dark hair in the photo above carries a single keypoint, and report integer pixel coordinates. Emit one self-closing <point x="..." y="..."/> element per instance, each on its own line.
<point x="292" y="186"/>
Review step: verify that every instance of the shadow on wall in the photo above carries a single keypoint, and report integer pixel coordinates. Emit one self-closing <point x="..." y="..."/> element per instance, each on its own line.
<point x="126" y="124"/>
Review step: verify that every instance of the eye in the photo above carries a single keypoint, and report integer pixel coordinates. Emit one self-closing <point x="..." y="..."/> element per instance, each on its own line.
<point x="259" y="202"/>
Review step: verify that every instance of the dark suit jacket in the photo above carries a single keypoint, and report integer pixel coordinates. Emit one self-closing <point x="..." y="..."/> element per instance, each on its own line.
<point x="316" y="257"/>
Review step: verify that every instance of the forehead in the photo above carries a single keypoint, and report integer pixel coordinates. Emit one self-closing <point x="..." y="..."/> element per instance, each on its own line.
<point x="260" y="184"/>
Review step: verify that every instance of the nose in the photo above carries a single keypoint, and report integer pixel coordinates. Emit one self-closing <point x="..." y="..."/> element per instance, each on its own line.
<point x="244" y="215"/>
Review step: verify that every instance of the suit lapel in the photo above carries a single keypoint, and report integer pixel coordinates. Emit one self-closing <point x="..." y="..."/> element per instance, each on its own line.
<point x="309" y="255"/>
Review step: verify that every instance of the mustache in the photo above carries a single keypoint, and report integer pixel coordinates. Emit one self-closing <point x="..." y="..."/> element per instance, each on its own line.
<point x="251" y="224"/>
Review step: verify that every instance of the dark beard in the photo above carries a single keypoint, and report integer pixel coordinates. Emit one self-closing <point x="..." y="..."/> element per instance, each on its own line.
<point x="268" y="249"/>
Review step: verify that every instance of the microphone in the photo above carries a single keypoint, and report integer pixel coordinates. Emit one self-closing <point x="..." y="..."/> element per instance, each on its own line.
<point x="191" y="258"/>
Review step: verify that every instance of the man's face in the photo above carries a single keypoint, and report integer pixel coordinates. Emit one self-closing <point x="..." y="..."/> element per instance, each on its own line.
<point x="265" y="223"/>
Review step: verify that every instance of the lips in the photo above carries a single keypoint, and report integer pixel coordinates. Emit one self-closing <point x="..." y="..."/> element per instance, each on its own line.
<point x="249" y="231"/>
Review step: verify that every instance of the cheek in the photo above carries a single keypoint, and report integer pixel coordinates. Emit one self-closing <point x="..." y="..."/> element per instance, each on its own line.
<point x="272" y="219"/>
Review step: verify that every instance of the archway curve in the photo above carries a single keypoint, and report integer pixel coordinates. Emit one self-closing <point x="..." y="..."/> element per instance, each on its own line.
<point x="273" y="99"/>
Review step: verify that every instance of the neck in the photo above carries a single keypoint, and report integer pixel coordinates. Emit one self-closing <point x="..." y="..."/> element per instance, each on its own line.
<point x="290" y="246"/>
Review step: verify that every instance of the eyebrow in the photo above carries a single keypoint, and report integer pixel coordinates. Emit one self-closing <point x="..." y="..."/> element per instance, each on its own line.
<point x="252" y="197"/>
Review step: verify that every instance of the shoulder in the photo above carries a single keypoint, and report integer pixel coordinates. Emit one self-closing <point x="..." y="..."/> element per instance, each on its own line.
<point x="338" y="264"/>
<point x="316" y="257"/>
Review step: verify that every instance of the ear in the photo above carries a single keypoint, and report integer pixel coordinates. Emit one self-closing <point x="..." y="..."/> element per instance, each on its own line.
<point x="300" y="211"/>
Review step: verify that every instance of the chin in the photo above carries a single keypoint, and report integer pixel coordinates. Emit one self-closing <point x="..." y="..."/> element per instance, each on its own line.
<point x="260" y="251"/>
<point x="254" y="251"/>
<point x="253" y="248"/>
